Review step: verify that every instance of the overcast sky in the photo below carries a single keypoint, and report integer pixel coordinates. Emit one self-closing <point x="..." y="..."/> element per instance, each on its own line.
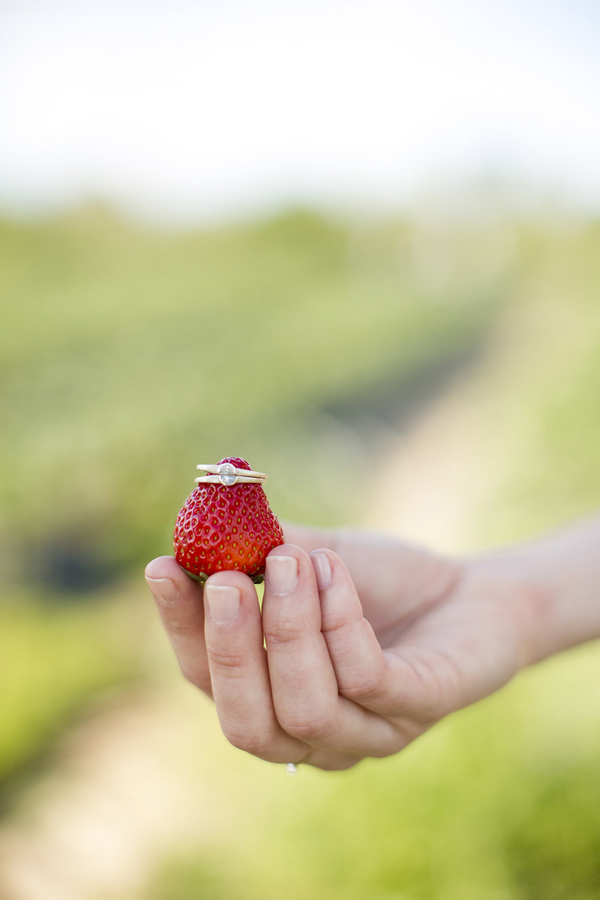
<point x="195" y="110"/>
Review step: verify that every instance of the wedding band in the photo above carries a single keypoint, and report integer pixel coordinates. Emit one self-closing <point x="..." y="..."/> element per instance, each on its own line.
<point x="227" y="474"/>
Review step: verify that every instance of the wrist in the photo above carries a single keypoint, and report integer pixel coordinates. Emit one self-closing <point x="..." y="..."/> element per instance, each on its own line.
<point x="528" y="599"/>
<point x="553" y="588"/>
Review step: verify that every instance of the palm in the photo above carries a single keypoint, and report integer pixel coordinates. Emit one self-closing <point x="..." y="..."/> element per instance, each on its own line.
<point x="456" y="630"/>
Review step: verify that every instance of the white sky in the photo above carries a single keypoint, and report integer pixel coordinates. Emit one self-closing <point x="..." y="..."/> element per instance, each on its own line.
<point x="195" y="110"/>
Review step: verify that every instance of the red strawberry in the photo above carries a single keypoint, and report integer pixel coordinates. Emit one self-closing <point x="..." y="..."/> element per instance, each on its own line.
<point x="226" y="527"/>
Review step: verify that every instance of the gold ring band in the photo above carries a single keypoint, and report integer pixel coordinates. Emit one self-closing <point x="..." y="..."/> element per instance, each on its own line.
<point x="227" y="474"/>
<point x="217" y="479"/>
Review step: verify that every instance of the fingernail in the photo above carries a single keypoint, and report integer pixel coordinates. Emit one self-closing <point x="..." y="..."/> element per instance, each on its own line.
<point x="322" y="568"/>
<point x="223" y="602"/>
<point x="165" y="590"/>
<point x="282" y="573"/>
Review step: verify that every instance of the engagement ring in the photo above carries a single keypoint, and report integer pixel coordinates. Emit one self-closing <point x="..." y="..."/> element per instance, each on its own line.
<point x="227" y="474"/>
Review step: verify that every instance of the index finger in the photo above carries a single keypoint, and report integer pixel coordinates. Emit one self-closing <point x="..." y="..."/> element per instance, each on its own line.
<point x="179" y="600"/>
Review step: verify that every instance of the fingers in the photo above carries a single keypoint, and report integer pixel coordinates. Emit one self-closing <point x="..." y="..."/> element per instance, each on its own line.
<point x="316" y="692"/>
<point x="357" y="658"/>
<point x="303" y="681"/>
<point x="179" y="602"/>
<point x="239" y="672"/>
<point x="377" y="681"/>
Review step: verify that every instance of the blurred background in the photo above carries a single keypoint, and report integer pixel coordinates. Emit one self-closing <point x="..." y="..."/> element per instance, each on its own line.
<point x="358" y="244"/>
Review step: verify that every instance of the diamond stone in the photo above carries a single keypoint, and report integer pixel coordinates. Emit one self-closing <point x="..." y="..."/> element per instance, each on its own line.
<point x="227" y="474"/>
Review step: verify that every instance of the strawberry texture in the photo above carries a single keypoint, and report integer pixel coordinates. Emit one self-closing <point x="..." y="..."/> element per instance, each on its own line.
<point x="226" y="527"/>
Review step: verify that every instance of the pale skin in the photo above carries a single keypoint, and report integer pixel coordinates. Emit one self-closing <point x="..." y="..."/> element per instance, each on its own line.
<point x="365" y="642"/>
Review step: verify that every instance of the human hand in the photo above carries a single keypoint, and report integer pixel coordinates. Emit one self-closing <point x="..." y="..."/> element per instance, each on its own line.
<point x="363" y="643"/>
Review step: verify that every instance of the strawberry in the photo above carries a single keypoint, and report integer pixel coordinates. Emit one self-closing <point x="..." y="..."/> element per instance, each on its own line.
<point x="226" y="527"/>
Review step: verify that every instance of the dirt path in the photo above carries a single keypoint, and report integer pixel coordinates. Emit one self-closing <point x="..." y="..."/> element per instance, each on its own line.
<point x="432" y="483"/>
<point x="440" y="480"/>
<point x="94" y="826"/>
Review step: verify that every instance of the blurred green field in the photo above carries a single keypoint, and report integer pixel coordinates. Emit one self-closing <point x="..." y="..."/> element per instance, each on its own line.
<point x="128" y="355"/>
<point x="54" y="659"/>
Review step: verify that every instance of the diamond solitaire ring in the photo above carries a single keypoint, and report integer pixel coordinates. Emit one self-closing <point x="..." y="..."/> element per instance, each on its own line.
<point x="227" y="474"/>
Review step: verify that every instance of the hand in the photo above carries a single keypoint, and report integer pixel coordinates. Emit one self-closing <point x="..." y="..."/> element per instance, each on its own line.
<point x="363" y="643"/>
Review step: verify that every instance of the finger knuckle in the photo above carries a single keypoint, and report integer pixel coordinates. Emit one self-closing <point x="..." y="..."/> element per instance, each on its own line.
<point x="316" y="730"/>
<point x="284" y="633"/>
<point x="365" y="684"/>
<point x="181" y="627"/>
<point x="226" y="662"/>
<point x="368" y="689"/>
<point x="250" y="741"/>
<point x="340" y="624"/>
<point x="197" y="676"/>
